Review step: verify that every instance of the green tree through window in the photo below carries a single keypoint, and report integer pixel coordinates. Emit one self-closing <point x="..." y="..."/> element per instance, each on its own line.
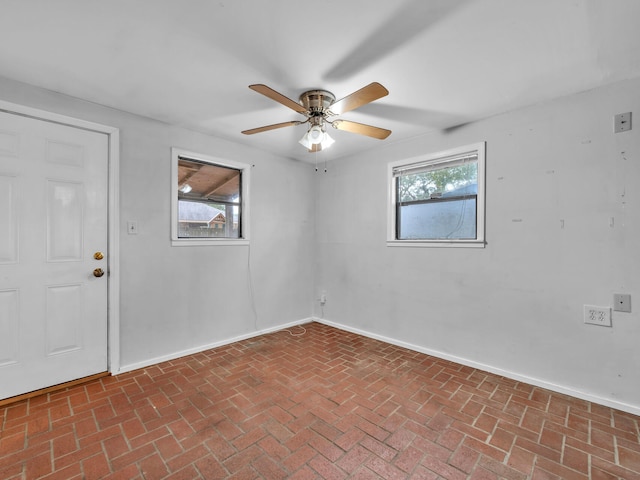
<point x="422" y="186"/>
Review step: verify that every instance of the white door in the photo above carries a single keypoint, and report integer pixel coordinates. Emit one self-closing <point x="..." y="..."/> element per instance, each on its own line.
<point x="53" y="221"/>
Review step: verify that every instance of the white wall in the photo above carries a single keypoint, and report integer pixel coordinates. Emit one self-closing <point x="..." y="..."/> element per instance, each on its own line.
<point x="516" y="306"/>
<point x="176" y="299"/>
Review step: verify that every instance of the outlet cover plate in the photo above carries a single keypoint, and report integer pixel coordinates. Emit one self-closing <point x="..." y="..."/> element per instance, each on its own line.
<point x="594" y="315"/>
<point x="622" y="122"/>
<point x="622" y="302"/>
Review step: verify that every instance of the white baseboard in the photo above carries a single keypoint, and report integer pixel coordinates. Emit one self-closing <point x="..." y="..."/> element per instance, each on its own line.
<point x="201" y="348"/>
<point x="633" y="409"/>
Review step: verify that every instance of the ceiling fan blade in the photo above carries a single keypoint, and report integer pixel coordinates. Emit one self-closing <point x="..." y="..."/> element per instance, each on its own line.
<point x="270" y="127"/>
<point x="278" y="97"/>
<point x="365" y="95"/>
<point x="362" y="129"/>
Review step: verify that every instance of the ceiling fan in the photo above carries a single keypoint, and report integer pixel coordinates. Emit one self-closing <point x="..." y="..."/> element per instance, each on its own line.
<point x="319" y="106"/>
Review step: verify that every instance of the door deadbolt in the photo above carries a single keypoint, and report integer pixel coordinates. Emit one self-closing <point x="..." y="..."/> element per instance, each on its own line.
<point x="98" y="255"/>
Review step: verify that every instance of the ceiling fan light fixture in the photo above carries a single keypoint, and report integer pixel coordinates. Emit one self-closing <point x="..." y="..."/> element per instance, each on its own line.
<point x="312" y="137"/>
<point x="315" y="135"/>
<point x="304" y="141"/>
<point x="327" y="141"/>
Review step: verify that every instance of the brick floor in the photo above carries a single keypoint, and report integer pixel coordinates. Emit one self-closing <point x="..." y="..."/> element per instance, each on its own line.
<point x="326" y="404"/>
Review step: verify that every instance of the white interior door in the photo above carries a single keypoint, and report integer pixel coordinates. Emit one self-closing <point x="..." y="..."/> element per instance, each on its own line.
<point x="53" y="223"/>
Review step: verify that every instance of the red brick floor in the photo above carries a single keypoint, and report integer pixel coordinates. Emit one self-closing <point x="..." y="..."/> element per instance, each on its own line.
<point x="327" y="404"/>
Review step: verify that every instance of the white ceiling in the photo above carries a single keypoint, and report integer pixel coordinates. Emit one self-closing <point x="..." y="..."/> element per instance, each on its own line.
<point x="444" y="62"/>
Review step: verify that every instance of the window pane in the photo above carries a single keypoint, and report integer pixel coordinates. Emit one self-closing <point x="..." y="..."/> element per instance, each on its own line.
<point x="438" y="199"/>
<point x="425" y="185"/>
<point x="438" y="220"/>
<point x="438" y="204"/>
<point x="208" y="200"/>
<point x="204" y="220"/>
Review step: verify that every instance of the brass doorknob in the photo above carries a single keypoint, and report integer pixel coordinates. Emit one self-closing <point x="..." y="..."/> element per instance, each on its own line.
<point x="98" y="272"/>
<point x="98" y="255"/>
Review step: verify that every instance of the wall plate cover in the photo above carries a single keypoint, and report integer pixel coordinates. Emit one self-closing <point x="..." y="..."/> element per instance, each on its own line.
<point x="622" y="302"/>
<point x="622" y="122"/>
<point x="594" y="315"/>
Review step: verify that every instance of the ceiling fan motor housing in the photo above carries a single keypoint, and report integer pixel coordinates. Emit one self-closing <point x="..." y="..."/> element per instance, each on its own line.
<point x="317" y="102"/>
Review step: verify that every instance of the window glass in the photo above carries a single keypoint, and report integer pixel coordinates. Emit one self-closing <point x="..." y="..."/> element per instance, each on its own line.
<point x="438" y="204"/>
<point x="210" y="200"/>
<point x="439" y="198"/>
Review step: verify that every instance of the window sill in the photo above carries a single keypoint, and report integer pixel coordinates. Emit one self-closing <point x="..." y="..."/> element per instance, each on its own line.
<point x="199" y="242"/>
<point x="436" y="244"/>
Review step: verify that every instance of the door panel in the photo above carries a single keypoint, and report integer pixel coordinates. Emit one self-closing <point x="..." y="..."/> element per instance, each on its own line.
<point x="9" y="326"/>
<point x="8" y="220"/>
<point x="64" y="221"/>
<point x="9" y="142"/>
<point x="53" y="217"/>
<point x="63" y="319"/>
<point x="64" y="153"/>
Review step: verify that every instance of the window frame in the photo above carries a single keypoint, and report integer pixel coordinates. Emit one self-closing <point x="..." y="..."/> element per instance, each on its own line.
<point x="245" y="172"/>
<point x="443" y="157"/>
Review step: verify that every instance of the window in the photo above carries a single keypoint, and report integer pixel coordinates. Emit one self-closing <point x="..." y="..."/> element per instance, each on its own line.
<point x="209" y="200"/>
<point x="438" y="199"/>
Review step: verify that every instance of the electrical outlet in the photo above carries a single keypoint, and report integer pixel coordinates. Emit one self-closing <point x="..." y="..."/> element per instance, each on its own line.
<point x="597" y="315"/>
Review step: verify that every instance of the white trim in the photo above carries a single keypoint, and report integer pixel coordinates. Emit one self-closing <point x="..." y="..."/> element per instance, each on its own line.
<point x="113" y="289"/>
<point x="244" y="208"/>
<point x="633" y="409"/>
<point x="439" y="157"/>
<point x="201" y="348"/>
<point x="114" y="253"/>
<point x="199" y="242"/>
<point x="434" y="244"/>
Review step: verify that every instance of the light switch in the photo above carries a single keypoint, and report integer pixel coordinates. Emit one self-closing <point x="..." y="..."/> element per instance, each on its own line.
<point x="132" y="227"/>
